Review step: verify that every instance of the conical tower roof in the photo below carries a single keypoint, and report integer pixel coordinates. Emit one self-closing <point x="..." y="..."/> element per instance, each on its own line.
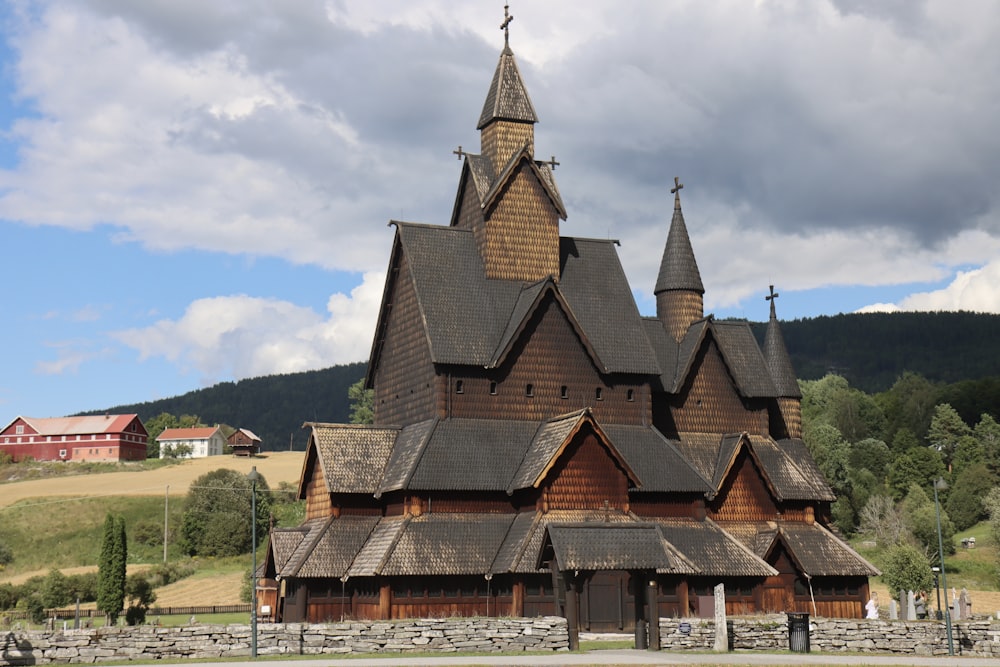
<point x="678" y="268"/>
<point x="508" y="98"/>
<point x="776" y="355"/>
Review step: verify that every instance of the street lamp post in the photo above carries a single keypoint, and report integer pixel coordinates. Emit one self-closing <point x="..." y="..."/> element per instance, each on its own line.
<point x="940" y="484"/>
<point x="937" y="586"/>
<point x="253" y="476"/>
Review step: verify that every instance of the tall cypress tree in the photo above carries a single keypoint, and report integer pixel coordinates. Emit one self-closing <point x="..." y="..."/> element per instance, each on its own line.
<point x="111" y="568"/>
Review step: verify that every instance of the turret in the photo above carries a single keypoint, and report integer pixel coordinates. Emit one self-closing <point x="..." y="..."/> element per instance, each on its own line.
<point x="679" y="290"/>
<point x="779" y="364"/>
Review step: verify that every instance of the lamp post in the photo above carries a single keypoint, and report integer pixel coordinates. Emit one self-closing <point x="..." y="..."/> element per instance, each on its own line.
<point x="937" y="587"/>
<point x="940" y="484"/>
<point x="253" y="477"/>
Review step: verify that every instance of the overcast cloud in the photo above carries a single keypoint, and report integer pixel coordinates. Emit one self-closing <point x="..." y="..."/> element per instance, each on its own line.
<point x="825" y="143"/>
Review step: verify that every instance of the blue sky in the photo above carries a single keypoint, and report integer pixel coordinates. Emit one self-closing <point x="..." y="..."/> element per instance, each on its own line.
<point x="198" y="192"/>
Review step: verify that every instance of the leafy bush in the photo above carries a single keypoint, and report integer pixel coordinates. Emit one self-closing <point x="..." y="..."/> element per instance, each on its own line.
<point x="6" y="555"/>
<point x="217" y="514"/>
<point x="905" y="568"/>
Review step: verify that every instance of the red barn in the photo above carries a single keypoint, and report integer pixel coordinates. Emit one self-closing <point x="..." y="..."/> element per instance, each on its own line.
<point x="88" y="438"/>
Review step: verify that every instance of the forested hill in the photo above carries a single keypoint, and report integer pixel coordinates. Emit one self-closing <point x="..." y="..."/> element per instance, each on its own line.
<point x="870" y="350"/>
<point x="274" y="407"/>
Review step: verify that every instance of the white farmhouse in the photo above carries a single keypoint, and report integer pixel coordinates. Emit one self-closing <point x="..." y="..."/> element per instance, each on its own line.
<point x="205" y="441"/>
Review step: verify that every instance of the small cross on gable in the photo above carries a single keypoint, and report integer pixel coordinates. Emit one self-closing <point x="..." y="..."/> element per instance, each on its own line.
<point x="677" y="185"/>
<point x="460" y="153"/>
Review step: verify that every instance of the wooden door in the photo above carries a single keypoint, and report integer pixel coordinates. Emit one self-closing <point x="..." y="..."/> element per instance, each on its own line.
<point x="608" y="605"/>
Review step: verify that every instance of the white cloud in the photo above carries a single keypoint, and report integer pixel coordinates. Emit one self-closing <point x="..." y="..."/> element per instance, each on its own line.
<point x="242" y="336"/>
<point x="974" y="290"/>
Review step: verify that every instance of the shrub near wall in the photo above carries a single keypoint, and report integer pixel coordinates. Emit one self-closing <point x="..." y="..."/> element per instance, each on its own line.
<point x="837" y="635"/>
<point x="218" y="641"/>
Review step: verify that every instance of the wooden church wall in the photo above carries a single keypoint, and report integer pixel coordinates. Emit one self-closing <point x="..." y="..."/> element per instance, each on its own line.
<point x="317" y="495"/>
<point x="520" y="240"/>
<point x="709" y="402"/>
<point x="470" y="212"/>
<point x="529" y="386"/>
<point x="743" y="496"/>
<point x="404" y="380"/>
<point x="585" y="477"/>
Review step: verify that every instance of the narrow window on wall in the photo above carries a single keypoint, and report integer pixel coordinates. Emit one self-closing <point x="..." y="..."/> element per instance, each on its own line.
<point x="459" y="387"/>
<point x="630" y="395"/>
<point x="493" y="388"/>
<point x="599" y="394"/>
<point x="529" y="390"/>
<point x="564" y="392"/>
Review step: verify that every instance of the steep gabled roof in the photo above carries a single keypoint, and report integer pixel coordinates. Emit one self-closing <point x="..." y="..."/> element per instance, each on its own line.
<point x="659" y="464"/>
<point x="551" y="440"/>
<point x="790" y="475"/>
<point x="447" y="543"/>
<point x="815" y="551"/>
<point x="335" y="549"/>
<point x="540" y="170"/>
<point x="711" y="550"/>
<point x="467" y="317"/>
<point x="777" y="359"/>
<point x="739" y="350"/>
<point x="353" y="456"/>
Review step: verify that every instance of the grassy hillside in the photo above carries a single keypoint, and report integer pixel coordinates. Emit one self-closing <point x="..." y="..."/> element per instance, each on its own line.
<point x="58" y="522"/>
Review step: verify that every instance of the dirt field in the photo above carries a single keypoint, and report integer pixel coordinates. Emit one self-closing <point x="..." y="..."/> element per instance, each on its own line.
<point x="983" y="602"/>
<point x="276" y="467"/>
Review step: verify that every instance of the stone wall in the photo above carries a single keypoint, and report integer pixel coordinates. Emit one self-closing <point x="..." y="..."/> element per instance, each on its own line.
<point x="218" y="641"/>
<point x="832" y="635"/>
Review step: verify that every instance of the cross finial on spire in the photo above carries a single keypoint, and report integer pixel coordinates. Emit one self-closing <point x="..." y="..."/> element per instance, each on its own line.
<point x="774" y="295"/>
<point x="552" y="163"/>
<point x="460" y="153"/>
<point x="676" y="192"/>
<point x="505" y="26"/>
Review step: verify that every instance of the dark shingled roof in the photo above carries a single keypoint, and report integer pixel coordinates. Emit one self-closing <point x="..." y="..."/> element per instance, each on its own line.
<point x="406" y="454"/>
<point x="743" y="357"/>
<point x="530" y="540"/>
<point x="353" y="456"/>
<point x="467" y="315"/>
<point x="337" y="547"/>
<point x="821" y="554"/>
<point x="472" y="455"/>
<point x="711" y="550"/>
<point x="548" y="440"/>
<point x="448" y="544"/>
<point x="376" y="551"/>
<point x="799" y="454"/>
<point x="608" y="546"/>
<point x="283" y="543"/>
<point x="678" y="268"/>
<point x="314" y="529"/>
<point x="507" y="98"/>
<point x="596" y="289"/>
<point x="778" y="361"/>
<point x="656" y="460"/>
<point x="787" y="478"/>
<point x="701" y="451"/>
<point x="514" y="546"/>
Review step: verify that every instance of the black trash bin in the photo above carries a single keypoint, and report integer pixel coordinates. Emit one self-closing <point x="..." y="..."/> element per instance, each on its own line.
<point x="798" y="633"/>
<point x="730" y="635"/>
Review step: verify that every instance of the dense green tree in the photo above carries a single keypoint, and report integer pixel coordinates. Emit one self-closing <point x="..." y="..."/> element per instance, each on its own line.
<point x="965" y="502"/>
<point x="987" y="432"/>
<point x="945" y="432"/>
<point x="921" y="516"/>
<point x="908" y="404"/>
<point x="56" y="591"/>
<point x="904" y="440"/>
<point x="871" y="455"/>
<point x="6" y="556"/>
<point x="111" y="568"/>
<point x="905" y="568"/>
<point x="968" y="452"/>
<point x="362" y="403"/>
<point x="920" y="466"/>
<point x="991" y="503"/>
<point x="831" y="452"/>
<point x="217" y="514"/>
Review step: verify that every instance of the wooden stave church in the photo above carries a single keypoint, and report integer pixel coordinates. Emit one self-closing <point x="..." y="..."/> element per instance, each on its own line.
<point x="539" y="447"/>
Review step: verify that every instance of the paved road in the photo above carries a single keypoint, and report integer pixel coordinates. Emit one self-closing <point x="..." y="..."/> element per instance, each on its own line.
<point x="629" y="657"/>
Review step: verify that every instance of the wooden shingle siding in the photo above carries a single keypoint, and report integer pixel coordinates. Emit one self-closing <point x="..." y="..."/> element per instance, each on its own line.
<point x="743" y="496"/>
<point x="586" y="479"/>
<point x="405" y="377"/>
<point x="470" y="212"/>
<point x="549" y="356"/>
<point x="791" y="413"/>
<point x="318" y="505"/>
<point x="501" y="139"/>
<point x="681" y="309"/>
<point x="709" y="402"/>
<point x="520" y="239"/>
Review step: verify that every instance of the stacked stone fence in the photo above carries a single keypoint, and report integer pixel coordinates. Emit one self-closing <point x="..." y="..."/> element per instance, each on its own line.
<point x="232" y="641"/>
<point x="838" y="635"/>
<point x="758" y="633"/>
